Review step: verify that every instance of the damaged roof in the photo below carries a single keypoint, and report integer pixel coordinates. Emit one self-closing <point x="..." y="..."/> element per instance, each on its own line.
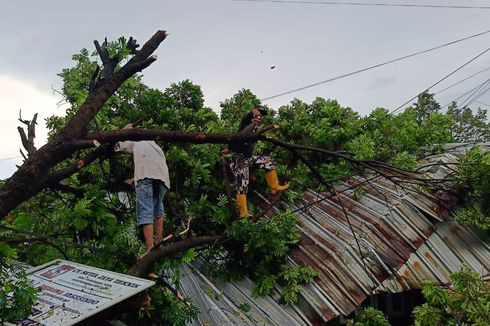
<point x="401" y="239"/>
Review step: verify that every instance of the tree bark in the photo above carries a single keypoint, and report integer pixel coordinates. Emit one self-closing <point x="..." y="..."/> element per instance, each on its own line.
<point x="27" y="180"/>
<point x="144" y="265"/>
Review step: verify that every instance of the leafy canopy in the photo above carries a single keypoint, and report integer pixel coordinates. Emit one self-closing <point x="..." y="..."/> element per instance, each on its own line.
<point x="95" y="225"/>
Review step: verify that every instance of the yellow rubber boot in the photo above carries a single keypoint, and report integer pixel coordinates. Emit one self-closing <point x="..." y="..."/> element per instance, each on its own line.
<point x="241" y="201"/>
<point x="273" y="182"/>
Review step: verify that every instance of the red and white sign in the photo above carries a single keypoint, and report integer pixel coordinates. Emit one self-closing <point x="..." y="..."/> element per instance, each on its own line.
<point x="69" y="292"/>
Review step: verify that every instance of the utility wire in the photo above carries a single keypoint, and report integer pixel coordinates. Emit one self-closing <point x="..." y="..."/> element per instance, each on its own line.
<point x="477" y="96"/>
<point x="463" y="80"/>
<point x="471" y="90"/>
<point x="377" y="4"/>
<point x="374" y="66"/>
<point x="474" y="93"/>
<point x="482" y="103"/>
<point x="9" y="158"/>
<point x="441" y="80"/>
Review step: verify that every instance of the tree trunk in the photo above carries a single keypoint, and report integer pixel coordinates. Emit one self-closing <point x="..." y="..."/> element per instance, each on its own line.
<point x="27" y="180"/>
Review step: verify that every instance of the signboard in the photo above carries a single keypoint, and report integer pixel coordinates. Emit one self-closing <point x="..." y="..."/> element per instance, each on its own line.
<point x="69" y="292"/>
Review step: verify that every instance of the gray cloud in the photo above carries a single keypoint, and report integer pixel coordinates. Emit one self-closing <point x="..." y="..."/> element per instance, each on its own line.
<point x="380" y="83"/>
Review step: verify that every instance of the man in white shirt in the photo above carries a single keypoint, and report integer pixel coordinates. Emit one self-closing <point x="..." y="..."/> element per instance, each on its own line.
<point x="152" y="181"/>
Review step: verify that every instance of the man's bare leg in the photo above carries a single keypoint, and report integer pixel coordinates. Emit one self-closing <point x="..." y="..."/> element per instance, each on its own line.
<point x="148" y="234"/>
<point x="159" y="223"/>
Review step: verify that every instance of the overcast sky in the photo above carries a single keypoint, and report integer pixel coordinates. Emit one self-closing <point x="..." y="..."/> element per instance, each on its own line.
<point x="225" y="45"/>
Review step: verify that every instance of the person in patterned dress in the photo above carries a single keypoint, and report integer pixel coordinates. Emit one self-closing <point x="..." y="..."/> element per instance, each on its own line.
<point x="243" y="159"/>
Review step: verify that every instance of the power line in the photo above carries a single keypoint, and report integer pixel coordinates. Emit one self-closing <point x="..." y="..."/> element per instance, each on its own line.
<point x="463" y="80"/>
<point x="376" y="4"/>
<point x="374" y="66"/>
<point x="441" y="80"/>
<point x="482" y="103"/>
<point x="471" y="90"/>
<point x="482" y="92"/>
<point x="479" y="96"/>
<point x="10" y="158"/>
<point x="474" y="93"/>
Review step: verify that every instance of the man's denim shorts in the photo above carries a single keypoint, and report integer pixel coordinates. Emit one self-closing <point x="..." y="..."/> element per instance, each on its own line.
<point x="149" y="200"/>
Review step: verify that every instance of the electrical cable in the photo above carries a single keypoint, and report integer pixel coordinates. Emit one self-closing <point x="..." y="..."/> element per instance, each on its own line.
<point x="461" y="81"/>
<point x="474" y="93"/>
<point x="482" y="103"/>
<point x="374" y="66"/>
<point x="376" y="4"/>
<point x="10" y="158"/>
<point x="441" y="80"/>
<point x="477" y="96"/>
<point x="471" y="90"/>
<point x="479" y="85"/>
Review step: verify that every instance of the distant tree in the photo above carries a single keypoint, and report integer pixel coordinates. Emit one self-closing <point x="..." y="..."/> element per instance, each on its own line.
<point x="185" y="95"/>
<point x="469" y="126"/>
<point x="233" y="109"/>
<point x="425" y="105"/>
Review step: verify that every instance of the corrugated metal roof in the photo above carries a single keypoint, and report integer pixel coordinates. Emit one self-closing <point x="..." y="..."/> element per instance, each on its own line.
<point x="231" y="303"/>
<point x="404" y="237"/>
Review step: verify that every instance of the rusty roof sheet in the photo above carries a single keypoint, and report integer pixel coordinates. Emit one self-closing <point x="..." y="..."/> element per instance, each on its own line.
<point x="390" y="241"/>
<point x="232" y="303"/>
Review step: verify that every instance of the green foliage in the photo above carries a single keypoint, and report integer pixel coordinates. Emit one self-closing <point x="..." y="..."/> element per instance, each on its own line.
<point x="185" y="95"/>
<point x="245" y="307"/>
<point x="474" y="185"/>
<point x="291" y="278"/>
<point x="414" y="128"/>
<point x="232" y="110"/>
<point x="16" y="295"/>
<point x="466" y="301"/>
<point x="425" y="106"/>
<point x="324" y="123"/>
<point x="381" y="136"/>
<point x="363" y="147"/>
<point x="469" y="126"/>
<point x="262" y="247"/>
<point x="266" y="238"/>
<point x="126" y="237"/>
<point x="358" y="192"/>
<point x="97" y="218"/>
<point x="473" y="215"/>
<point x="167" y="309"/>
<point x="404" y="160"/>
<point x="369" y="317"/>
<point x="474" y="171"/>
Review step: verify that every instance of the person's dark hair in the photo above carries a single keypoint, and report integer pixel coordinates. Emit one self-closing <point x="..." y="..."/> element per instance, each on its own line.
<point x="262" y="109"/>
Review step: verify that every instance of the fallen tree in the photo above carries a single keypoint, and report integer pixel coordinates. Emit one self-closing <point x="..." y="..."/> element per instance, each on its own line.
<point x="77" y="145"/>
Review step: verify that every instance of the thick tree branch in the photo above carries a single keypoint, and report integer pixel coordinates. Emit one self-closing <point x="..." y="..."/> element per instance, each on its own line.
<point x="44" y="157"/>
<point x="109" y="63"/>
<point x="158" y="135"/>
<point x="93" y="80"/>
<point x="26" y="181"/>
<point x="144" y="265"/>
<point x="28" y="140"/>
<point x="67" y="189"/>
<point x="51" y="179"/>
<point x="76" y="126"/>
